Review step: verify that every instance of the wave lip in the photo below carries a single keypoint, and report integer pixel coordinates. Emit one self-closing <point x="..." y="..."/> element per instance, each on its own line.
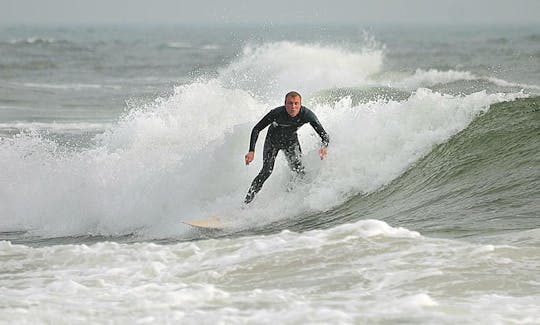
<point x="431" y="77"/>
<point x="33" y="40"/>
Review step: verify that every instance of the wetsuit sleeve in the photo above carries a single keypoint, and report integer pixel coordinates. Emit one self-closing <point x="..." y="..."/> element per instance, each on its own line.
<point x="314" y="122"/>
<point x="264" y="122"/>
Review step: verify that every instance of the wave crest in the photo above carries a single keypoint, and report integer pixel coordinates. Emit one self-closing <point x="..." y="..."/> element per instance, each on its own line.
<point x="273" y="69"/>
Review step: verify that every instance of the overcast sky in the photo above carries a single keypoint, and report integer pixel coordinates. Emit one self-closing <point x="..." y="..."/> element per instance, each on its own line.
<point x="269" y="12"/>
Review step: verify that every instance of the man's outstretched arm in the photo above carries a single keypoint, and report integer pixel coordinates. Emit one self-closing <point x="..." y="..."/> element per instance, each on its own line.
<point x="325" y="138"/>
<point x="264" y="122"/>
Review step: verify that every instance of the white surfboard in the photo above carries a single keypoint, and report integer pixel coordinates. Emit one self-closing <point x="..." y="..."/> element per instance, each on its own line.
<point x="213" y="222"/>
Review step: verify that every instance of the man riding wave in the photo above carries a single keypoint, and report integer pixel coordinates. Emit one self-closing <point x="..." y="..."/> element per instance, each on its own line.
<point x="284" y="122"/>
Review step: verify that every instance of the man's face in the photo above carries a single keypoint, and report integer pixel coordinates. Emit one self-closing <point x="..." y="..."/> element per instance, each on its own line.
<point x="292" y="105"/>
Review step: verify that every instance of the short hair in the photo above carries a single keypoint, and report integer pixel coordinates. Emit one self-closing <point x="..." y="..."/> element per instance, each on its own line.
<point x="293" y="94"/>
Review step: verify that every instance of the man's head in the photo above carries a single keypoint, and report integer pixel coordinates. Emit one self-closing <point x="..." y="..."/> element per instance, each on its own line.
<point x="293" y="102"/>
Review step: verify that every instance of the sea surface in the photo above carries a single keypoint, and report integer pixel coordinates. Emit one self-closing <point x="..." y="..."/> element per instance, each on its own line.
<point x="425" y="211"/>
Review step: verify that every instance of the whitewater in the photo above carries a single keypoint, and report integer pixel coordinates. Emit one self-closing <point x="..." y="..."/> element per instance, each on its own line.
<point x="424" y="211"/>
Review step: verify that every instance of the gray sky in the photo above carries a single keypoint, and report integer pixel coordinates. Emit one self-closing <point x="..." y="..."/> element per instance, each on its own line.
<point x="269" y="11"/>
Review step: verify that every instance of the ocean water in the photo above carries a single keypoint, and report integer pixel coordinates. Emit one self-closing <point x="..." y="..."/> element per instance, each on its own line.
<point x="426" y="210"/>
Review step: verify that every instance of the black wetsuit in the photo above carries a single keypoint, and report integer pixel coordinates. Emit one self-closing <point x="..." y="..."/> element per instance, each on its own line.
<point x="282" y="136"/>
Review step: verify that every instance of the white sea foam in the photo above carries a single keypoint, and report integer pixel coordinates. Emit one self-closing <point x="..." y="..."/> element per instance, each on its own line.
<point x="425" y="78"/>
<point x="504" y="83"/>
<point x="33" y="40"/>
<point x="188" y="45"/>
<point x="179" y="45"/>
<point x="57" y="126"/>
<point x="343" y="273"/>
<point x="76" y="86"/>
<point x="271" y="70"/>
<point x="210" y="47"/>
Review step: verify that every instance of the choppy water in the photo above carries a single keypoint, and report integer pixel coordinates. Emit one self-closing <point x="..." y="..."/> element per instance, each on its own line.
<point x="426" y="209"/>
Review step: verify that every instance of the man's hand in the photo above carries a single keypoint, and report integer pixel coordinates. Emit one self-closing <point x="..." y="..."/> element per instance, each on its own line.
<point x="322" y="152"/>
<point x="249" y="157"/>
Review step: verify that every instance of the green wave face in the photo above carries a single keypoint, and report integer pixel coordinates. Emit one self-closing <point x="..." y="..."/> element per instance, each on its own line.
<point x="485" y="178"/>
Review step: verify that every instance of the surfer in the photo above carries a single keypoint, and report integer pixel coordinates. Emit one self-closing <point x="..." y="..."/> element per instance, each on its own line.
<point x="284" y="121"/>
